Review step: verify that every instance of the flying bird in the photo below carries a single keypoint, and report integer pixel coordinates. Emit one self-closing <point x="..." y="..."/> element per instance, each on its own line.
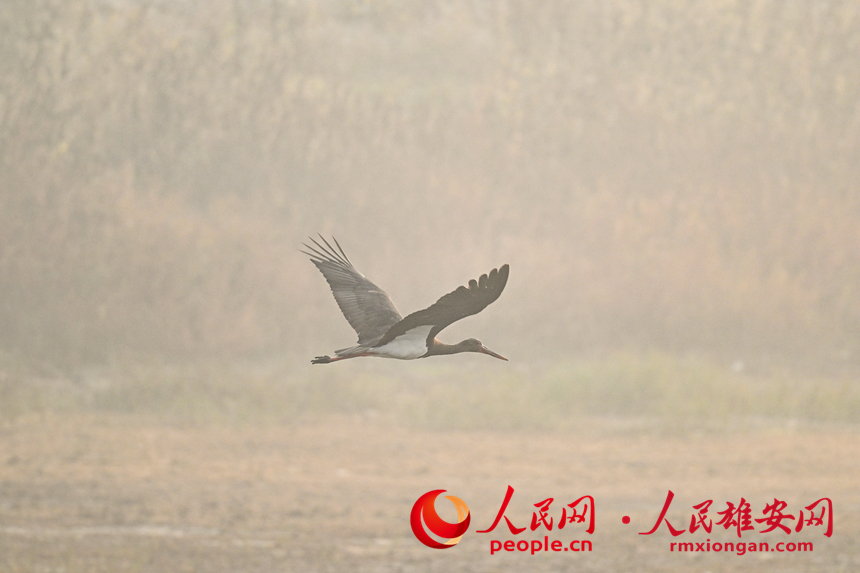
<point x="382" y="331"/>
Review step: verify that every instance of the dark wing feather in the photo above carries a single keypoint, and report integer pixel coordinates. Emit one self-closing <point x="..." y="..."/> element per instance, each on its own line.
<point x="453" y="306"/>
<point x="366" y="307"/>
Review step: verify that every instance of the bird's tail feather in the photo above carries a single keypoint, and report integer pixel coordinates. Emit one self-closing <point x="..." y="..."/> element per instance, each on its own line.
<point x="351" y="350"/>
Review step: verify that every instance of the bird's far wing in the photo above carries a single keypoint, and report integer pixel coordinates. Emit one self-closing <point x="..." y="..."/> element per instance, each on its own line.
<point x="366" y="307"/>
<point x="463" y="302"/>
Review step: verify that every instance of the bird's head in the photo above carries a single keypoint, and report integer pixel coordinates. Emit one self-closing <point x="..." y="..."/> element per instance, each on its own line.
<point x="475" y="345"/>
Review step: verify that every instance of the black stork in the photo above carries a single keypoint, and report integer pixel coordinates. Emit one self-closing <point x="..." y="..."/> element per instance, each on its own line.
<point x="382" y="331"/>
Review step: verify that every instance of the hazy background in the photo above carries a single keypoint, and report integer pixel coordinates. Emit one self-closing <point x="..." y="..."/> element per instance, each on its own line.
<point x="665" y="178"/>
<point x="672" y="175"/>
<point x="675" y="187"/>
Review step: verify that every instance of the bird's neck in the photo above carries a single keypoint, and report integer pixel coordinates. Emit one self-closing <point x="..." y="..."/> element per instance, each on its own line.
<point x="439" y="348"/>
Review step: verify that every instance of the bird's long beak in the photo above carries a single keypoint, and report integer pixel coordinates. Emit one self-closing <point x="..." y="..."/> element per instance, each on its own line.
<point x="485" y="350"/>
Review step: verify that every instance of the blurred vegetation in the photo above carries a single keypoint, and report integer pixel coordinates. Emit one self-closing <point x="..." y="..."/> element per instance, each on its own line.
<point x="613" y="393"/>
<point x="660" y="175"/>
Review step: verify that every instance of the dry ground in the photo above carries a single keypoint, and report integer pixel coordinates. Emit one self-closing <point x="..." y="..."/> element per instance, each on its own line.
<point x="115" y="493"/>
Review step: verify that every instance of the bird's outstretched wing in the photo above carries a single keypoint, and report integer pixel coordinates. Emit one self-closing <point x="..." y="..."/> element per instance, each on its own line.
<point x="453" y="306"/>
<point x="366" y="307"/>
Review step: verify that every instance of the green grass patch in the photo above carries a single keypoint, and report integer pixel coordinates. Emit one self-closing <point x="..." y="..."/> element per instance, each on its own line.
<point x="636" y="391"/>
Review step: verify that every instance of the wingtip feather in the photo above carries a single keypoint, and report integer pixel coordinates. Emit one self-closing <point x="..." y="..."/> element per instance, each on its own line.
<point x="326" y="254"/>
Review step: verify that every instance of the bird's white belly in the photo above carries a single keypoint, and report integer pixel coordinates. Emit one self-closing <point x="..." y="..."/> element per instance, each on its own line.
<point x="412" y="344"/>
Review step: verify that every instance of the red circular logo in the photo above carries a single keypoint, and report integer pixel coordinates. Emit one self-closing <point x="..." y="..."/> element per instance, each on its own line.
<point x="424" y="518"/>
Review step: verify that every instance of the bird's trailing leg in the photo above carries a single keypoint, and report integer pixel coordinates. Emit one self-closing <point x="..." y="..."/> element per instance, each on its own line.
<point x="328" y="359"/>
